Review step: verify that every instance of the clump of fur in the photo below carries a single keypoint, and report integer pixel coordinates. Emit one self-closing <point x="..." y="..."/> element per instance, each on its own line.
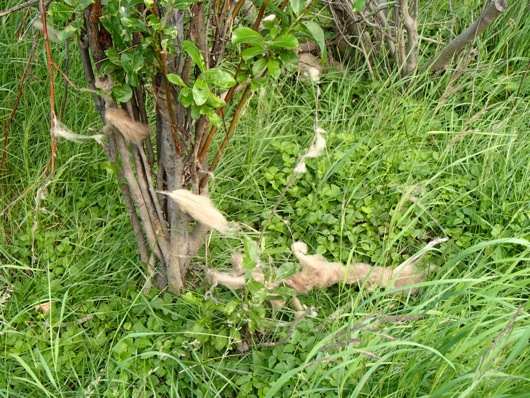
<point x="131" y="130"/>
<point x="200" y="208"/>
<point x="317" y="272"/>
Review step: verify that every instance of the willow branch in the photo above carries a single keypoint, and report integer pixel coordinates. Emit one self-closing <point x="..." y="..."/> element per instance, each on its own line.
<point x="157" y="243"/>
<point x="129" y="203"/>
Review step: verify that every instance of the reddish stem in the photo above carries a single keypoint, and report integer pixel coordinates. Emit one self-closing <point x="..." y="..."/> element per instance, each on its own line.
<point x="229" y="133"/>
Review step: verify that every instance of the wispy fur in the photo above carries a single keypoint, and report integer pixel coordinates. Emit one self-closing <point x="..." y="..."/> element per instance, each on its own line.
<point x="131" y="130"/>
<point x="62" y="131"/>
<point x="234" y="278"/>
<point x="53" y="34"/>
<point x="200" y="208"/>
<point x="314" y="150"/>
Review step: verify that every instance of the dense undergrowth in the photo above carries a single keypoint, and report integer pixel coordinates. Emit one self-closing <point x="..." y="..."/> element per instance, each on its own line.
<point x="406" y="161"/>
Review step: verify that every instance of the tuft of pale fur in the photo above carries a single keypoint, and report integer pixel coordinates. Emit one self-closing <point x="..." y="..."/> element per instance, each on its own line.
<point x="61" y="131"/>
<point x="314" y="150"/>
<point x="200" y="208"/>
<point x="234" y="278"/>
<point x="317" y="272"/>
<point x="215" y="278"/>
<point x="131" y="130"/>
<point x="53" y="34"/>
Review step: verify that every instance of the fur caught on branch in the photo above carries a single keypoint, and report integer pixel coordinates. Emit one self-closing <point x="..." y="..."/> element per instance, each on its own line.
<point x="317" y="272"/>
<point x="200" y="208"/>
<point x="61" y="131"/>
<point x="131" y="130"/>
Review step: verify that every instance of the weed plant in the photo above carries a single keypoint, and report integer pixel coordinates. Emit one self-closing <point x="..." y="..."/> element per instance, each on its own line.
<point x="406" y="161"/>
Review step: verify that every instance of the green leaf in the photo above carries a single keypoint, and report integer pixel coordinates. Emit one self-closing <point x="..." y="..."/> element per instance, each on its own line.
<point x="126" y="61"/>
<point x="70" y="30"/>
<point x="200" y="91"/>
<point x="214" y="101"/>
<point x="113" y="56"/>
<point x="109" y="167"/>
<point x="230" y="307"/>
<point x="255" y="287"/>
<point x="220" y="340"/>
<point x="79" y="5"/>
<point x="244" y="35"/>
<point x="196" y="112"/>
<point x="315" y="30"/>
<point x="176" y="79"/>
<point x="279" y="13"/>
<point x="259" y="66"/>
<point x="286" y="41"/>
<point x="186" y="96"/>
<point x="191" y="298"/>
<point x="213" y="117"/>
<point x="297" y="6"/>
<point x="259" y="82"/>
<point x="219" y="78"/>
<point x="181" y="4"/>
<point x="241" y="77"/>
<point x="138" y="59"/>
<point x="289" y="59"/>
<point x="60" y="11"/>
<point x="251" y="52"/>
<point x="251" y="254"/>
<point x="134" y="25"/>
<point x="193" y="51"/>
<point x="132" y="79"/>
<point x="359" y="5"/>
<point x="122" y="92"/>
<point x="273" y="66"/>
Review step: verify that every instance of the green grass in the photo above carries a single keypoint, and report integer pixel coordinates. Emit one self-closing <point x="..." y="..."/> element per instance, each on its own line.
<point x="403" y="165"/>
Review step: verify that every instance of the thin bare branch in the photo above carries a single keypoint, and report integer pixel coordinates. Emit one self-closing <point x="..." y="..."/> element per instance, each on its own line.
<point x="411" y="26"/>
<point x="469" y="35"/>
<point x="18" y="7"/>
